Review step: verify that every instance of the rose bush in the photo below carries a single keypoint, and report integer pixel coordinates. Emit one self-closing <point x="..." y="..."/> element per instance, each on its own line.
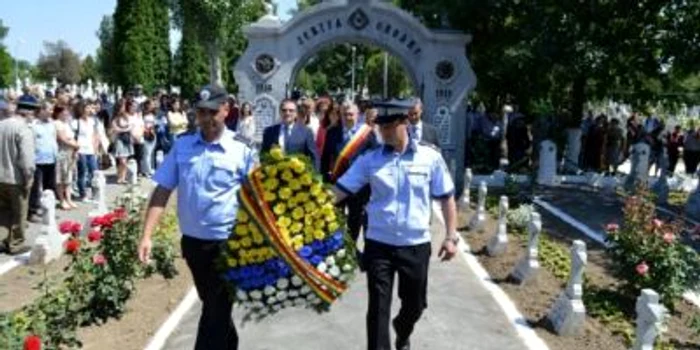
<point x="647" y="253"/>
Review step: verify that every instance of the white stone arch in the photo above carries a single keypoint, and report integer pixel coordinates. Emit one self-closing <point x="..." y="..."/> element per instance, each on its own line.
<point x="434" y="59"/>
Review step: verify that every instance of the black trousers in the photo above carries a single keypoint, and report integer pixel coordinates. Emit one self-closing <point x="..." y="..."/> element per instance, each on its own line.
<point x="382" y="262"/>
<point x="673" y="156"/>
<point x="357" y="215"/>
<point x="44" y="179"/>
<point x="216" y="329"/>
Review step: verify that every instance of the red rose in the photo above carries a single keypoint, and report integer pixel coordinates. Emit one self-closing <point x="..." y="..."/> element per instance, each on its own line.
<point x="119" y="213"/>
<point x="612" y="227"/>
<point x="642" y="268"/>
<point x="32" y="342"/>
<point x="66" y="226"/>
<point x="99" y="259"/>
<point x="669" y="237"/>
<point x="657" y="223"/>
<point x="72" y="246"/>
<point x="94" y="236"/>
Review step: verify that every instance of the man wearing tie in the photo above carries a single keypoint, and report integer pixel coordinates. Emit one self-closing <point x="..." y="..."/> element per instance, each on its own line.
<point x="291" y="137"/>
<point x="344" y="143"/>
<point x="419" y="130"/>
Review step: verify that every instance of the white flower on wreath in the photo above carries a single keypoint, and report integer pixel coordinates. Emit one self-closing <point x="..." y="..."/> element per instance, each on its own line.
<point x="334" y="271"/>
<point x="277" y="307"/>
<point x="347" y="268"/>
<point x="258" y="305"/>
<point x="340" y="254"/>
<point x="287" y="303"/>
<point x="293" y="294"/>
<point x="271" y="300"/>
<point x="281" y="295"/>
<point x="297" y="281"/>
<point x="241" y="295"/>
<point x="305" y="290"/>
<point x="310" y="297"/>
<point x="263" y="311"/>
<point x="282" y="283"/>
<point x="330" y="260"/>
<point x="299" y="301"/>
<point x="322" y="267"/>
<point x="255" y="295"/>
<point x="269" y="290"/>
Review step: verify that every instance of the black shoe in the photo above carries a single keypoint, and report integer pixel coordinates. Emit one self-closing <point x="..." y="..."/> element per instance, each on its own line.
<point x="19" y="250"/>
<point x="402" y="343"/>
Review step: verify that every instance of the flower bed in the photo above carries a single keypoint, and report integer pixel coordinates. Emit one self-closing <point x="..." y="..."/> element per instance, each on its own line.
<point x="609" y="304"/>
<point x="98" y="282"/>
<point x="289" y="246"/>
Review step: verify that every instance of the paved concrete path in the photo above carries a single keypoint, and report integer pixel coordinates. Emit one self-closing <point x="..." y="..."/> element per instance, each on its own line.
<point x="79" y="214"/>
<point x="461" y="315"/>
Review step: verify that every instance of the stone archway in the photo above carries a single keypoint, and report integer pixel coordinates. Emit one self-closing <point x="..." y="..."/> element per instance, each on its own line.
<point x="434" y="59"/>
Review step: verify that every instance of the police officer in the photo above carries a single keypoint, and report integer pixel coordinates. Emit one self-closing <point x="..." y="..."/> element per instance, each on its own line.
<point x="207" y="167"/>
<point x="404" y="176"/>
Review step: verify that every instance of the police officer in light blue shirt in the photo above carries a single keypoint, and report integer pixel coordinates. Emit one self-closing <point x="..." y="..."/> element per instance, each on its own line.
<point x="207" y="167"/>
<point x="404" y="175"/>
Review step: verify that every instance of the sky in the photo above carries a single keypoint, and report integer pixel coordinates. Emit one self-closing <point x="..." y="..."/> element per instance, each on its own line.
<point x="32" y="22"/>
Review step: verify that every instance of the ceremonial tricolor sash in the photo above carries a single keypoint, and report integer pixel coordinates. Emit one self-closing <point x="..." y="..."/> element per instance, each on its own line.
<point x="350" y="151"/>
<point x="251" y="195"/>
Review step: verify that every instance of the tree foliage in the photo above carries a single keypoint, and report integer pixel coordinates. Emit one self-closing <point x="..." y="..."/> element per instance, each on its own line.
<point x="106" y="64"/>
<point x="5" y="59"/>
<point x="88" y="70"/>
<point x="59" y="61"/>
<point x="190" y="65"/>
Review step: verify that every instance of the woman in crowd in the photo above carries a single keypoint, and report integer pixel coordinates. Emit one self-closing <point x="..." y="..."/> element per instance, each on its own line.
<point x="308" y="116"/>
<point x="329" y="118"/>
<point x="46" y="149"/>
<point x="674" y="142"/>
<point x="121" y="136"/>
<point x="246" y="122"/>
<point x="177" y="120"/>
<point x="613" y="146"/>
<point x="137" y="128"/>
<point x="691" y="149"/>
<point x="149" y="138"/>
<point x="67" y="150"/>
<point x="87" y="135"/>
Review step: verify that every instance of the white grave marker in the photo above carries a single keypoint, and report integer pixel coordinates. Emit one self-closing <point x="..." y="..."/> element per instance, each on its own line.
<point x="48" y="245"/>
<point x="498" y="244"/>
<point x="526" y="270"/>
<point x="650" y="318"/>
<point x="547" y="172"/>
<point x="477" y="221"/>
<point x="568" y="314"/>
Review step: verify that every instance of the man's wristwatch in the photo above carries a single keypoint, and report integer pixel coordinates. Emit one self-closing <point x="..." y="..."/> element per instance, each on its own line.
<point x="454" y="239"/>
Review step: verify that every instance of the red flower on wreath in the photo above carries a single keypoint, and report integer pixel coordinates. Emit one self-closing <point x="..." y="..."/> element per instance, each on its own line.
<point x="72" y="246"/>
<point x="70" y="227"/>
<point x="32" y="342"/>
<point x="642" y="268"/>
<point x="94" y="236"/>
<point x="99" y="259"/>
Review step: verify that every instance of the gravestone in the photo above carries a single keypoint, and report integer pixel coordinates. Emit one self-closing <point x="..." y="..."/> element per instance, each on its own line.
<point x="467" y="188"/>
<point x="526" y="270"/>
<point x="48" y="245"/>
<point x="573" y="149"/>
<point x="692" y="206"/>
<point x="568" y="314"/>
<point x="661" y="187"/>
<point x="639" y="172"/>
<point x="159" y="158"/>
<point x="547" y="172"/>
<point x="650" y="319"/>
<point x="498" y="244"/>
<point x="477" y="221"/>
<point x="99" y="185"/>
<point x="132" y="169"/>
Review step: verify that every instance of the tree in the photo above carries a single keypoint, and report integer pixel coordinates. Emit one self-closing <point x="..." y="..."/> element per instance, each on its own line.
<point x="5" y="59"/>
<point x="59" y="61"/>
<point x="88" y="70"/>
<point x="106" y="65"/>
<point x="399" y="84"/>
<point x="190" y="64"/>
<point x="141" y="50"/>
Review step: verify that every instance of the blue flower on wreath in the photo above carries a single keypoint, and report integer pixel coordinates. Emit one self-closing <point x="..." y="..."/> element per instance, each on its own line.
<point x="305" y="251"/>
<point x="315" y="260"/>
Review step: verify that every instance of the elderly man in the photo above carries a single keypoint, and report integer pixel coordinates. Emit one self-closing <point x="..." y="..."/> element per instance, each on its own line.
<point x="16" y="174"/>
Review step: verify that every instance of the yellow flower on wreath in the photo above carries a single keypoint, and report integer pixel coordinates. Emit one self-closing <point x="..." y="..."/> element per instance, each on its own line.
<point x="333" y="226"/>
<point x="295" y="185"/>
<point x="231" y="262"/>
<point x="246" y="242"/>
<point x="302" y="197"/>
<point x="309" y="237"/>
<point x="271" y="184"/>
<point x="284" y="233"/>
<point x="269" y="197"/>
<point x="306" y="179"/>
<point x="292" y="203"/>
<point x="298" y="213"/>
<point x="258" y="238"/>
<point x="277" y="154"/>
<point x="315" y="189"/>
<point x="287" y="176"/>
<point x="285" y="192"/>
<point x="253" y="229"/>
<point x="320" y="224"/>
<point x="296" y="227"/>
<point x="309" y="207"/>
<point x="271" y="170"/>
<point x="279" y="208"/>
<point x="321" y="198"/>
<point x="297" y="165"/>
<point x="319" y="235"/>
<point x="283" y="222"/>
<point x="242" y="217"/>
<point x="331" y="217"/>
<point x="233" y="245"/>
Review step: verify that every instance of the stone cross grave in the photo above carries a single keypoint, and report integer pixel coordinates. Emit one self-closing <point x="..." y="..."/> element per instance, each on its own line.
<point x="568" y="314"/>
<point x="526" y="270"/>
<point x="99" y="185"/>
<point x="692" y="206"/>
<point x="547" y="172"/>
<point x="639" y="173"/>
<point x="650" y="318"/>
<point x="48" y="245"/>
<point x="661" y="187"/>
<point x="467" y="188"/>
<point x="132" y="172"/>
<point x="477" y="221"/>
<point x="498" y="244"/>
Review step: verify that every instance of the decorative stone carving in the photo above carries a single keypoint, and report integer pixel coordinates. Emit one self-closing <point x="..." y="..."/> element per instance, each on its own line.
<point x="358" y="19"/>
<point x="547" y="172"/>
<point x="639" y="173"/>
<point x="477" y="221"/>
<point x="48" y="245"/>
<point x="445" y="70"/>
<point x="264" y="64"/>
<point x="498" y="244"/>
<point x="526" y="270"/>
<point x="650" y="319"/>
<point x="441" y="121"/>
<point x="568" y="314"/>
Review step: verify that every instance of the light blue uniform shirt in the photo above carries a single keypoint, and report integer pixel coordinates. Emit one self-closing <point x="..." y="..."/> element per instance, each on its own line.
<point x="402" y="188"/>
<point x="207" y="177"/>
<point x="46" y="142"/>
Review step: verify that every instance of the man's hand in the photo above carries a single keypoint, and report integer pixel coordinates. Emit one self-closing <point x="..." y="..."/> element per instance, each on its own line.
<point x="145" y="250"/>
<point x="448" y="250"/>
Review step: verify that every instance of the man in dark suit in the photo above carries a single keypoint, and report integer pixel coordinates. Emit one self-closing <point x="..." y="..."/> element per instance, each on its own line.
<point x="355" y="138"/>
<point x="420" y="130"/>
<point x="291" y="137"/>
